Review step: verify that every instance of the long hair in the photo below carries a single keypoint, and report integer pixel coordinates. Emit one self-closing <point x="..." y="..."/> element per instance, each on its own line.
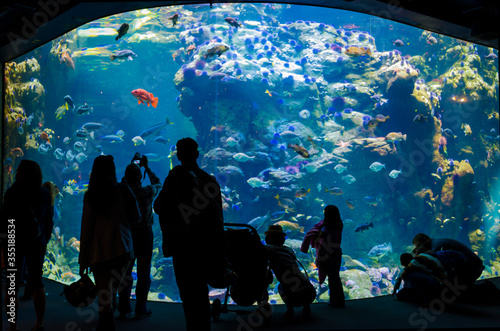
<point x="332" y="218"/>
<point x="29" y="174"/>
<point x="102" y="190"/>
<point x="29" y="177"/>
<point x="52" y="188"/>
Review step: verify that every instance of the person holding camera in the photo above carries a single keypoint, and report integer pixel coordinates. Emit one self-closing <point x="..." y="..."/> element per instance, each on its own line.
<point x="142" y="237"/>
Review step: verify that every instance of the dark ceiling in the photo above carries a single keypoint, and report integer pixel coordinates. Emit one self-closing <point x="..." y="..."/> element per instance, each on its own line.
<point x="27" y="24"/>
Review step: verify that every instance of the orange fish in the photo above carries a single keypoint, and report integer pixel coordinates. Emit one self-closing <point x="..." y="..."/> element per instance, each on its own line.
<point x="349" y="204"/>
<point x="381" y="118"/>
<point x="44" y="136"/>
<point x="355" y="51"/>
<point x="145" y="97"/>
<point x="67" y="59"/>
<point x="18" y="152"/>
<point x="190" y="49"/>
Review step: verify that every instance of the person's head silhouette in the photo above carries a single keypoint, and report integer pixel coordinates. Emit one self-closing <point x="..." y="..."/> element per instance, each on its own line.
<point x="29" y="173"/>
<point x="332" y="217"/>
<point x="187" y="151"/>
<point x="133" y="174"/>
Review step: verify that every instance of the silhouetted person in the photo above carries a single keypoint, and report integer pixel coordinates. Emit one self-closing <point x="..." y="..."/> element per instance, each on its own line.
<point x="190" y="210"/>
<point x="29" y="207"/>
<point x="294" y="286"/>
<point x="326" y="237"/>
<point x="109" y="210"/>
<point x="142" y="237"/>
<point x="53" y="190"/>
<point x="421" y="283"/>
<point x="475" y="266"/>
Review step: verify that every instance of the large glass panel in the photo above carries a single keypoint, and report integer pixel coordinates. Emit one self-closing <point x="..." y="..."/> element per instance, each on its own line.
<point x="294" y="108"/>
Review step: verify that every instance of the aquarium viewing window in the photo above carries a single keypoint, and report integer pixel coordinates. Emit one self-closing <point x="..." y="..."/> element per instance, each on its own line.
<point x="293" y="107"/>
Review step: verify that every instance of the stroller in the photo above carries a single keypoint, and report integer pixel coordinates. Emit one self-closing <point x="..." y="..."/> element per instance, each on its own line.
<point x="247" y="260"/>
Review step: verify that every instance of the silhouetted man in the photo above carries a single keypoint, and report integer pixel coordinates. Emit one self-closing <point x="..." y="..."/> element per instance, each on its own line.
<point x="190" y="209"/>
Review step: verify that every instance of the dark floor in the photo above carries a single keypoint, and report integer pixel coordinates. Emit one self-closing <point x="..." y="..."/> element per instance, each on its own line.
<point x="382" y="313"/>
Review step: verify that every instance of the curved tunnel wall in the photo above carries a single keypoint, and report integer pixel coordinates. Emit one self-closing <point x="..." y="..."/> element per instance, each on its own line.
<point x="294" y="108"/>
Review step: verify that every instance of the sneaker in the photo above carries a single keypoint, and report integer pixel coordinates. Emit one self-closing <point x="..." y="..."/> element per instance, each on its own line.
<point x="143" y="313"/>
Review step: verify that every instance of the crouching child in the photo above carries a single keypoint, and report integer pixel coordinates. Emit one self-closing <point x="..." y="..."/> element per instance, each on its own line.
<point x="294" y="286"/>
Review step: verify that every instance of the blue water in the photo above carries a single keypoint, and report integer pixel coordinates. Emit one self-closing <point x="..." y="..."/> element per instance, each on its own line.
<point x="253" y="108"/>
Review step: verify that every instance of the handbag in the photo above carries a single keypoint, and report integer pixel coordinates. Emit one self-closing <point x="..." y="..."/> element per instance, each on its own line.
<point x="82" y="292"/>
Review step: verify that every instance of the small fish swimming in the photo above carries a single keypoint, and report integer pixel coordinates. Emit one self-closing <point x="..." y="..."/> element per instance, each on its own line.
<point x="420" y="118"/>
<point x="145" y="97"/>
<point x="111" y="138"/>
<point x="153" y="157"/>
<point x="349" y="203"/>
<point x="259" y="220"/>
<point x="231" y="142"/>
<point x="155" y="129"/>
<point x="61" y="111"/>
<point x="334" y="191"/>
<point x="92" y="126"/>
<point x="354" y="51"/>
<point x="84" y="110"/>
<point x="242" y="157"/>
<point x="290" y="226"/>
<point x="302" y="192"/>
<point x="285" y="203"/>
<point x="299" y="150"/>
<point x="256" y="182"/>
<point x="395" y="136"/>
<point x="69" y="102"/>
<point x="233" y="22"/>
<point x="371" y="200"/>
<point x="122" y="31"/>
<point x="395" y="173"/>
<point x="137" y="140"/>
<point x="378" y="250"/>
<point x="398" y="43"/>
<point x="174" y="18"/>
<point x="363" y="227"/>
<point x="339" y="168"/>
<point x="161" y="140"/>
<point x="377" y="166"/>
<point x="125" y="54"/>
<point x="449" y="133"/>
<point x="349" y="179"/>
<point x="216" y="50"/>
<point x="467" y="129"/>
<point x="79" y="146"/>
<point x="81" y="157"/>
<point x="67" y="59"/>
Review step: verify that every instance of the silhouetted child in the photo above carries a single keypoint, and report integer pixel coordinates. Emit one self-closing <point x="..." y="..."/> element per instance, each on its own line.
<point x="294" y="288"/>
<point x="326" y="237"/>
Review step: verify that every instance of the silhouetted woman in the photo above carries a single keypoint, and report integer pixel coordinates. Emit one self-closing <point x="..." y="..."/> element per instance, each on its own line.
<point x="27" y="216"/>
<point x="326" y="237"/>
<point x="109" y="210"/>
